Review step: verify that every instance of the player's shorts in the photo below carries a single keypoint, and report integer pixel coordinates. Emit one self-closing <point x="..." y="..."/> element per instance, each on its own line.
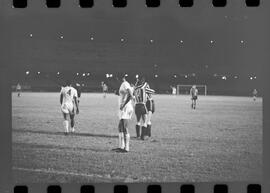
<point x="123" y="124"/>
<point x="150" y="105"/>
<point x="126" y="112"/>
<point x="194" y="97"/>
<point x="67" y="108"/>
<point x="140" y="110"/>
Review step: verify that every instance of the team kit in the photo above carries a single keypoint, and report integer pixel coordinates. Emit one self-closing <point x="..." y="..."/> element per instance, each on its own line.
<point x="132" y="99"/>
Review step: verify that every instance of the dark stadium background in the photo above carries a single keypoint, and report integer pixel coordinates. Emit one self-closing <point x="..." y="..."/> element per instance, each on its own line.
<point x="166" y="56"/>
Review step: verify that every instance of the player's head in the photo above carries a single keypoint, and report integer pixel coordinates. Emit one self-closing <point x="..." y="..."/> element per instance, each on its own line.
<point x="125" y="77"/>
<point x="142" y="79"/>
<point x="194" y="86"/>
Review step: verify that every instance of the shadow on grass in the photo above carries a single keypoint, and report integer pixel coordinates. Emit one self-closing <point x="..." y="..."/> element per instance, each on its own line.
<point x="56" y="147"/>
<point x="63" y="133"/>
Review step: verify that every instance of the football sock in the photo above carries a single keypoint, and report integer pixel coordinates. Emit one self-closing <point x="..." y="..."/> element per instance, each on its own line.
<point x="127" y="136"/>
<point x="65" y="123"/>
<point x="149" y="130"/>
<point x="138" y="130"/>
<point x="121" y="140"/>
<point x="143" y="132"/>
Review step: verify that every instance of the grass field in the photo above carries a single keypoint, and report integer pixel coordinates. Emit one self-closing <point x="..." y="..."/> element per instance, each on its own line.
<point x="219" y="141"/>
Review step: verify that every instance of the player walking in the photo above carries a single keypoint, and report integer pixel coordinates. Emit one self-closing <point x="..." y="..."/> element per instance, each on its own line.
<point x="104" y="89"/>
<point x="254" y="93"/>
<point x="141" y="111"/>
<point x="125" y="114"/>
<point x="18" y="89"/>
<point x="173" y="90"/>
<point x="194" y="96"/>
<point x="69" y="105"/>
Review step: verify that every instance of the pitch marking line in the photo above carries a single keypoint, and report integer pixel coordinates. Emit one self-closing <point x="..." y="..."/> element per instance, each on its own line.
<point x="59" y="172"/>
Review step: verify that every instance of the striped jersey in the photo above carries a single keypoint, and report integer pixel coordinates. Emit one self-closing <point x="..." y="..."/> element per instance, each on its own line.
<point x="141" y="93"/>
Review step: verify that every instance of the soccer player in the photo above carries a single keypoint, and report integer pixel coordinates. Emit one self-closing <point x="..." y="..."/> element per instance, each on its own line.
<point x="104" y="89"/>
<point x="125" y="114"/>
<point x="194" y="96"/>
<point x="140" y="94"/>
<point x="173" y="90"/>
<point x="69" y="106"/>
<point x="18" y="89"/>
<point x="254" y="93"/>
<point x="150" y="105"/>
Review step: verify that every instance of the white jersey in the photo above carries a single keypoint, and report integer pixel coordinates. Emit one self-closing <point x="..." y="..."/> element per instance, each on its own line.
<point x="69" y="93"/>
<point x="173" y="90"/>
<point x="126" y="112"/>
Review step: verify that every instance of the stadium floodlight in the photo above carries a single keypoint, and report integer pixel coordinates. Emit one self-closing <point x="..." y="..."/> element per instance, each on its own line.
<point x="122" y="39"/>
<point x="58" y="73"/>
<point x="211" y="41"/>
<point x="186" y="76"/>
<point x="107" y="75"/>
<point x="235" y="77"/>
<point x="181" y="41"/>
<point x="242" y="41"/>
<point x="62" y="37"/>
<point x="255" y="77"/>
<point x="137" y="76"/>
<point x="151" y="41"/>
<point x="31" y="35"/>
<point x="27" y="72"/>
<point x="92" y="38"/>
<point x="224" y="78"/>
<point x="83" y="74"/>
<point x="38" y="72"/>
<point x="175" y="76"/>
<point x="111" y="75"/>
<point x="251" y="78"/>
<point x="88" y="74"/>
<point x="156" y="75"/>
<point x="77" y="73"/>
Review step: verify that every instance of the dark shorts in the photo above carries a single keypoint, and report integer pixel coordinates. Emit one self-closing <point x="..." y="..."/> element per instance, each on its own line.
<point x="140" y="110"/>
<point x="194" y="97"/>
<point x="123" y="124"/>
<point x="150" y="105"/>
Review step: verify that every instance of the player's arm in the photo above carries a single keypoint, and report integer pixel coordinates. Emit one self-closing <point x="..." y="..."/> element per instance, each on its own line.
<point x="61" y="98"/>
<point x="130" y="96"/>
<point x="76" y="104"/>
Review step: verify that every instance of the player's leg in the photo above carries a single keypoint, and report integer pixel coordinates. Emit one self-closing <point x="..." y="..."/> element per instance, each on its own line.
<point x="149" y="124"/>
<point x="65" y="122"/>
<point x="194" y="103"/>
<point x="126" y="135"/>
<point x="144" y="124"/>
<point x="121" y="142"/>
<point x="72" y="122"/>
<point x="138" y="125"/>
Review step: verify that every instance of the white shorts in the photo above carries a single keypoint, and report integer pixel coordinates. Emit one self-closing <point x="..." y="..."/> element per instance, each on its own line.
<point x="67" y="108"/>
<point x="127" y="112"/>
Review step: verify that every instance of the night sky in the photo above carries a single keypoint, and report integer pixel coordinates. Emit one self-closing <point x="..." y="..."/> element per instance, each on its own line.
<point x="165" y="41"/>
